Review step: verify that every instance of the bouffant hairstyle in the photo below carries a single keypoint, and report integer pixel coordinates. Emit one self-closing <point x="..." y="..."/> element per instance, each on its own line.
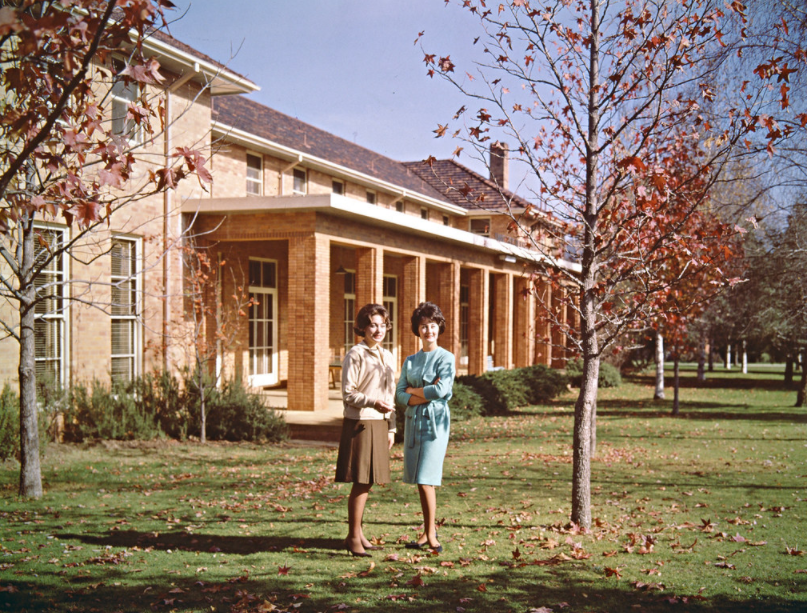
<point x="365" y="314"/>
<point x="431" y="313"/>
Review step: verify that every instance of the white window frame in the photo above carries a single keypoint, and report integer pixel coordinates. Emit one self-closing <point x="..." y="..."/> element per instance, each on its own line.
<point x="294" y="174"/>
<point x="267" y="293"/>
<point x="350" y="311"/>
<point x="60" y="318"/>
<point x="255" y="183"/>
<point x="390" y="342"/>
<point x="135" y="133"/>
<point x="135" y="330"/>
<point x="478" y="219"/>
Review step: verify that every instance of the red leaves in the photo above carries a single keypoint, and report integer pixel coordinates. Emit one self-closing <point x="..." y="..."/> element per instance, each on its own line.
<point x="445" y="64"/>
<point x="440" y="131"/>
<point x="283" y="570"/>
<point x="632" y="162"/>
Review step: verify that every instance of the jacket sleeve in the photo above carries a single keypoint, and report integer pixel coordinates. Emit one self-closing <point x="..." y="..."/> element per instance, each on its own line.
<point x="401" y="397"/>
<point x="445" y="372"/>
<point x="351" y="369"/>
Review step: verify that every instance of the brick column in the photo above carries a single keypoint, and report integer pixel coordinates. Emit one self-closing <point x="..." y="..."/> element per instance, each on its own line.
<point x="558" y="337"/>
<point x="448" y="300"/>
<point x="503" y="326"/>
<point x="369" y="276"/>
<point x="413" y="292"/>
<point x="309" y="322"/>
<point x="543" y="323"/>
<point x="524" y="324"/>
<point x="479" y="290"/>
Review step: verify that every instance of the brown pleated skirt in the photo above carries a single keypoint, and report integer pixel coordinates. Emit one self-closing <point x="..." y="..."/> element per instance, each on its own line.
<point x="363" y="452"/>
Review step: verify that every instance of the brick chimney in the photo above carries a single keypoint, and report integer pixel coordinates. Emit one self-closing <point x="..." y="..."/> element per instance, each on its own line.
<point x="499" y="171"/>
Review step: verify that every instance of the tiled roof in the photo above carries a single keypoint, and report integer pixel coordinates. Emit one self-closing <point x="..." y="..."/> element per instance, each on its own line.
<point x="261" y="121"/>
<point x="450" y="178"/>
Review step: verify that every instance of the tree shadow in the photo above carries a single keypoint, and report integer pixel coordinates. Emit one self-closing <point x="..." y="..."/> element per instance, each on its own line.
<point x="744" y="382"/>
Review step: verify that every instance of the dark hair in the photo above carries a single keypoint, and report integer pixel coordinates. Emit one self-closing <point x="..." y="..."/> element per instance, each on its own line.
<point x="430" y="312"/>
<point x="365" y="314"/>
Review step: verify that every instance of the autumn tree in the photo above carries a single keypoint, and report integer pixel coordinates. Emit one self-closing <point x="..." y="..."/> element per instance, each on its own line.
<point x="212" y="320"/>
<point x="66" y="157"/>
<point x="617" y="123"/>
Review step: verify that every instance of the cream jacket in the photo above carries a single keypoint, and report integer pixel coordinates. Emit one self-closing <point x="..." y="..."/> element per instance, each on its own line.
<point x="368" y="375"/>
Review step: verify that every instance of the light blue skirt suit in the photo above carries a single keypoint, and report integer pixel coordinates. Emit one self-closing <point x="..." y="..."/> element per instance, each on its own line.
<point x="427" y="425"/>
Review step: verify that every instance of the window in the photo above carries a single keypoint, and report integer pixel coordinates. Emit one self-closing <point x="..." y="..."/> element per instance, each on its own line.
<point x="424" y="213"/>
<point x="338" y="188"/>
<point x="123" y="95"/>
<point x="390" y="302"/>
<point x="254" y="175"/>
<point x="399" y="206"/>
<point x="445" y="220"/>
<point x="125" y="329"/>
<point x="480" y="225"/>
<point x="50" y="317"/>
<point x="263" y="349"/>
<point x="350" y="308"/>
<point x="465" y="293"/>
<point x="300" y="182"/>
<point x="371" y="197"/>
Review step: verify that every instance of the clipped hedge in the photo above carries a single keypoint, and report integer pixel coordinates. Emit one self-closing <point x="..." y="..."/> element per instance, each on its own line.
<point x="9" y="423"/>
<point x="609" y="374"/>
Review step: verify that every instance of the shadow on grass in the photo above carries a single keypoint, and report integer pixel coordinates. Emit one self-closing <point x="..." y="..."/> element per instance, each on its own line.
<point x="182" y="541"/>
<point x="740" y="382"/>
<point x="580" y="586"/>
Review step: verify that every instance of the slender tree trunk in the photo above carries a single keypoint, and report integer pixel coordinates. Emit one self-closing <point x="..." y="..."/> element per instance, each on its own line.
<point x="801" y="395"/>
<point x="30" y="470"/>
<point x="745" y="357"/>
<point x="676" y="383"/>
<point x="586" y="401"/>
<point x="789" y="370"/>
<point x="711" y="356"/>
<point x="728" y="356"/>
<point x="202" y="411"/>
<point x="659" y="393"/>
<point x="701" y="358"/>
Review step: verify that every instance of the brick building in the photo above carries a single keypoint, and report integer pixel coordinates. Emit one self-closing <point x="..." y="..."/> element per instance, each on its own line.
<point x="316" y="226"/>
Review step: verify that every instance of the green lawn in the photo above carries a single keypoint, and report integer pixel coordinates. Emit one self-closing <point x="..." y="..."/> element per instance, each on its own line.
<point x="704" y="512"/>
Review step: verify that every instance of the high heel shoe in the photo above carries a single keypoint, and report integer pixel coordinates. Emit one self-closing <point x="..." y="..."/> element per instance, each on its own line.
<point x="358" y="554"/>
<point x="416" y="545"/>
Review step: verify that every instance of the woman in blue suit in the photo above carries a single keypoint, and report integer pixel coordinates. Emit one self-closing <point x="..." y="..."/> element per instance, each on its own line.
<point x="424" y="390"/>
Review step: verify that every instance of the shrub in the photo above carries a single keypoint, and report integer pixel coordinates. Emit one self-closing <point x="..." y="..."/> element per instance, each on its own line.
<point x="609" y="375"/>
<point x="503" y="390"/>
<point x="465" y="402"/>
<point x="9" y="423"/>
<point x="544" y="383"/>
<point x="765" y="358"/>
<point x="236" y="414"/>
<point x="115" y="413"/>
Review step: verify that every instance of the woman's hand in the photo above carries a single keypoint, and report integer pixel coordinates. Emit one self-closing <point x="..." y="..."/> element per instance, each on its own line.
<point x="391" y="438"/>
<point x="383" y="407"/>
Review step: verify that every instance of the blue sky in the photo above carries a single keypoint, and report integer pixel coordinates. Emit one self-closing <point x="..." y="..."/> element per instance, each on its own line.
<point x="346" y="66"/>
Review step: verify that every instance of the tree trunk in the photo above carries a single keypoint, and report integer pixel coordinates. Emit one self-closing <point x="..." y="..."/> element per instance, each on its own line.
<point x="710" y="356"/>
<point x="801" y="395"/>
<point x="30" y="471"/>
<point x="659" y="393"/>
<point x="593" y="446"/>
<point x="701" y="358"/>
<point x="745" y="357"/>
<point x="789" y="370"/>
<point x="676" y="382"/>
<point x="728" y="356"/>
<point x="586" y="401"/>
<point x="202" y="411"/>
